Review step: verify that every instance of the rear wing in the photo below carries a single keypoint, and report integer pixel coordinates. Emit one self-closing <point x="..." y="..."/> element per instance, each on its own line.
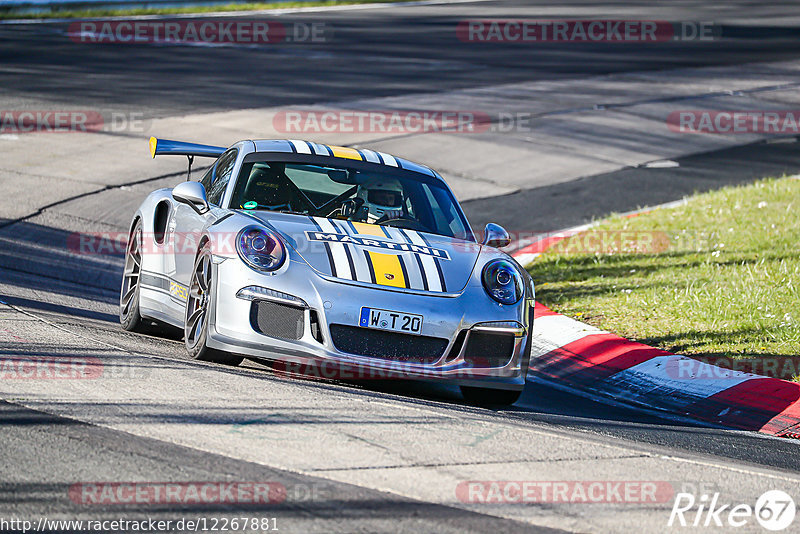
<point x="160" y="147"/>
<point x="179" y="148"/>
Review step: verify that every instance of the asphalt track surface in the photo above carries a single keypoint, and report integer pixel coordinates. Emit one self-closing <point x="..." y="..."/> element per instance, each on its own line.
<point x="375" y="53"/>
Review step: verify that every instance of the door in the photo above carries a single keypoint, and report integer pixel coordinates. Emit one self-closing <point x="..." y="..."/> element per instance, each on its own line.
<point x="188" y="225"/>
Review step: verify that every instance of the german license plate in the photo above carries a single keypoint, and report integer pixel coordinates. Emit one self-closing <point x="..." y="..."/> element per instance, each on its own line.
<point x="408" y="323"/>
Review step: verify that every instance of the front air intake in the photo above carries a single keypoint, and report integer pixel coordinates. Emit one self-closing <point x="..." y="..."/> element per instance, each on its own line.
<point x="387" y="345"/>
<point x="485" y="349"/>
<point x="277" y="320"/>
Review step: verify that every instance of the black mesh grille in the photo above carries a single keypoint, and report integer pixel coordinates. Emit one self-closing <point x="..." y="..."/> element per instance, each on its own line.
<point x="387" y="345"/>
<point x="277" y="320"/>
<point x="489" y="350"/>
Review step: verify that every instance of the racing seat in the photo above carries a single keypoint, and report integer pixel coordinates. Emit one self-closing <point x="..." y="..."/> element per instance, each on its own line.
<point x="268" y="188"/>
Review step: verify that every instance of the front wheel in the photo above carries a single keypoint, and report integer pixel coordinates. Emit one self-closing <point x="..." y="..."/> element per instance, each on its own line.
<point x="489" y="397"/>
<point x="197" y="314"/>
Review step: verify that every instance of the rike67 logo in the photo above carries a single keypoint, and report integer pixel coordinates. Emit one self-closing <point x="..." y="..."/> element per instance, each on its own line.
<point x="774" y="510"/>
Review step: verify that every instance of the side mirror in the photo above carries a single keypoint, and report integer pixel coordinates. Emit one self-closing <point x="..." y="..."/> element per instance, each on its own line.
<point x="496" y="236"/>
<point x="193" y="194"/>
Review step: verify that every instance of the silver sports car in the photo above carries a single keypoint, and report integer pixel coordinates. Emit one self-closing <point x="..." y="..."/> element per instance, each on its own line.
<point x="303" y="253"/>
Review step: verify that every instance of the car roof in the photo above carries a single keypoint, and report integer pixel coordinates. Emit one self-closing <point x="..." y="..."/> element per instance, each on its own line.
<point x="297" y="146"/>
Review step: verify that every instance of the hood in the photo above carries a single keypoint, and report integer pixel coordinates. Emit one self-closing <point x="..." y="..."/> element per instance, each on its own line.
<point x="379" y="255"/>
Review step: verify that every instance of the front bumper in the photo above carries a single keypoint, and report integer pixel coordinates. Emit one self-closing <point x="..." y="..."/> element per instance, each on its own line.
<point x="326" y="302"/>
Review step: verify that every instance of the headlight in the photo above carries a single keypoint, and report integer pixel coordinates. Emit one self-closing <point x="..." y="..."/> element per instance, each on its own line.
<point x="260" y="249"/>
<point x="503" y="282"/>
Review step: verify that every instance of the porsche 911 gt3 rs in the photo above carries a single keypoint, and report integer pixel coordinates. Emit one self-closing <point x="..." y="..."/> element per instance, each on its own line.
<point x="288" y="250"/>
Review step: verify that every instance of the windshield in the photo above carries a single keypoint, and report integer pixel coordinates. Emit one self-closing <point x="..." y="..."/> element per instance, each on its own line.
<point x="349" y="194"/>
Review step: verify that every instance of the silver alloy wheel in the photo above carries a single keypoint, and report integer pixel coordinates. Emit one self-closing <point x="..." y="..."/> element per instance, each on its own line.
<point x="132" y="273"/>
<point x="197" y="305"/>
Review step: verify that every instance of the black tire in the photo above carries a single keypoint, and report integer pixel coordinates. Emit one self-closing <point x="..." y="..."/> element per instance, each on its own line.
<point x="196" y="319"/>
<point x="489" y="397"/>
<point x="500" y="397"/>
<point x="129" y="316"/>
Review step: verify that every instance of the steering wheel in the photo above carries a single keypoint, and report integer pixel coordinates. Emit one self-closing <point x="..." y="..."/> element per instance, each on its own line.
<point x="333" y="204"/>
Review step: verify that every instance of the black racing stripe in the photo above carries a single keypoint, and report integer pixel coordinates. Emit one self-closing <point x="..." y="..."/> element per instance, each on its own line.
<point x="350" y="262"/>
<point x="436" y="261"/>
<point x="354" y="232"/>
<point x="310" y="147"/>
<point x="441" y="274"/>
<point x="291" y="145"/>
<point x="419" y="262"/>
<point x="327" y="248"/>
<point x="405" y="271"/>
<point x="366" y="254"/>
<point x="405" y="236"/>
<point x="422" y="272"/>
<point x="399" y="257"/>
<point x="347" y="251"/>
<point x="363" y="156"/>
<point x="371" y="268"/>
<point x="380" y="158"/>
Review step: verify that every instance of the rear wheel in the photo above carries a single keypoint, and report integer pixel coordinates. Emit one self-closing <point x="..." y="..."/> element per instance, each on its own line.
<point x="197" y="314"/>
<point x="129" y="316"/>
<point x="489" y="397"/>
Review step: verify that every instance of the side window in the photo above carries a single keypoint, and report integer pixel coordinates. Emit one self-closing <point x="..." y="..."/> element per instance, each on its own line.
<point x="207" y="178"/>
<point x="222" y="175"/>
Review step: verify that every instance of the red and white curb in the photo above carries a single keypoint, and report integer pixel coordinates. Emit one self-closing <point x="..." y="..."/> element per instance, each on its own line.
<point x="581" y="357"/>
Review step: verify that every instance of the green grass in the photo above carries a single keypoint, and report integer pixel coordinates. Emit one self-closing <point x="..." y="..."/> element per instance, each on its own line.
<point x="70" y="12"/>
<point x="725" y="281"/>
